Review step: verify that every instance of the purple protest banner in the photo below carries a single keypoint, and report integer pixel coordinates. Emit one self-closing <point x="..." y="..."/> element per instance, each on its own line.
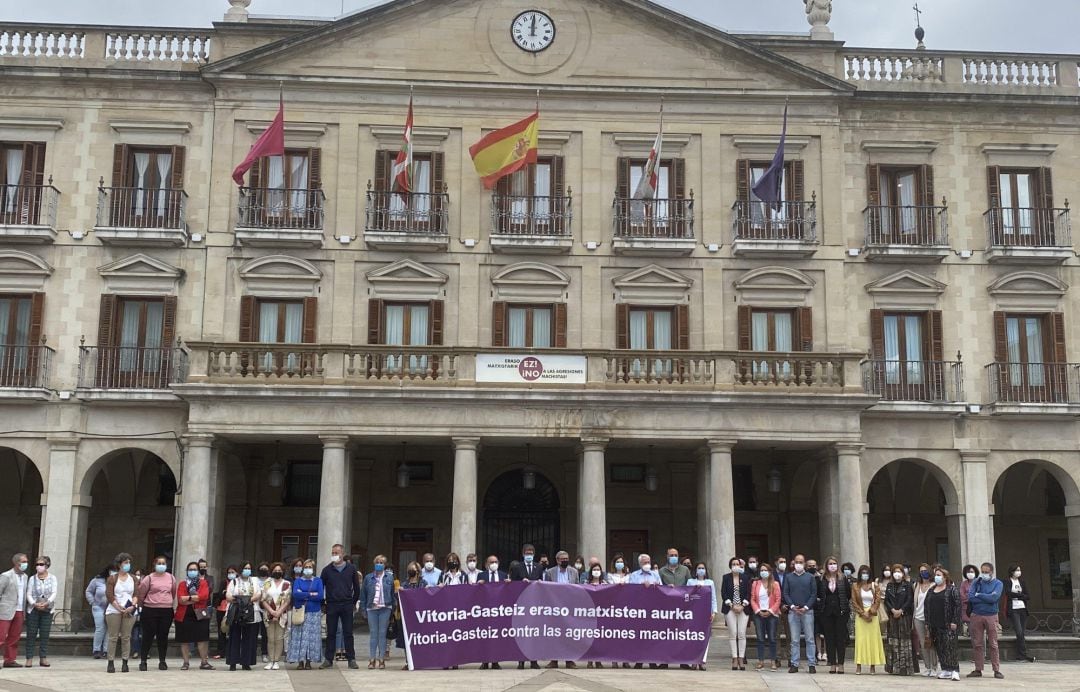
<point x="535" y="621"/>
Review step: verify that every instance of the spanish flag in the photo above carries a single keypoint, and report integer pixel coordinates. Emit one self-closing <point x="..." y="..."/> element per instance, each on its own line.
<point x="507" y="150"/>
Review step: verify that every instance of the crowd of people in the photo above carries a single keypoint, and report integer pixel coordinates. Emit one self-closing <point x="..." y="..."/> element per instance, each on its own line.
<point x="300" y="615"/>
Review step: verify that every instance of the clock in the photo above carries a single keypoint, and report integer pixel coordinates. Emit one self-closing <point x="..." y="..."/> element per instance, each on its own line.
<point x="532" y="31"/>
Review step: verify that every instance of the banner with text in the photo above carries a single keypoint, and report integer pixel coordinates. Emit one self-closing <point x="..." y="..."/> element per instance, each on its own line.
<point x="519" y="621"/>
<point x="542" y="369"/>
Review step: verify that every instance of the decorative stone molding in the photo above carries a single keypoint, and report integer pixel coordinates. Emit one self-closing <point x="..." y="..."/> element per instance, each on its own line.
<point x="280" y="275"/>
<point x="1018" y="154"/>
<point x="389" y="136"/>
<point x="640" y="143"/>
<point x="23" y="272"/>
<point x="774" y="286"/>
<point x="140" y="127"/>
<point x="406" y="279"/>
<point x="1028" y="290"/>
<point x="906" y="290"/>
<point x="652" y="285"/>
<point x="764" y="146"/>
<point x="30" y="123"/>
<point x="142" y="275"/>
<point x="238" y="11"/>
<point x="530" y="281"/>
<point x="305" y="134"/>
<point x="898" y="147"/>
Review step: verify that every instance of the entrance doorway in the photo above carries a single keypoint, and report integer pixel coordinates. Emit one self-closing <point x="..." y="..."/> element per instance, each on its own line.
<point x="631" y="543"/>
<point x="514" y="516"/>
<point x="745" y="546"/>
<point x="290" y="544"/>
<point x="409" y="545"/>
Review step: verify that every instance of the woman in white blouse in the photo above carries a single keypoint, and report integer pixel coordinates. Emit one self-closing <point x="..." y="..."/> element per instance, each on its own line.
<point x="40" y="599"/>
<point x="245" y="615"/>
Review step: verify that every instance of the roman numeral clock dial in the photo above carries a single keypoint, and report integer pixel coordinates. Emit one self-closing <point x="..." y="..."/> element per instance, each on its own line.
<point x="532" y="31"/>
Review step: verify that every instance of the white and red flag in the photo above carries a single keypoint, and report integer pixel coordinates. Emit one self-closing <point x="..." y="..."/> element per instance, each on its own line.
<point x="402" y="173"/>
<point x="649" y="182"/>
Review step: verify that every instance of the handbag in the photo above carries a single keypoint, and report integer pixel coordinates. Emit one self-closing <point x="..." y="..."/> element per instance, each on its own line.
<point x="202" y="614"/>
<point x="392" y="629"/>
<point x="297" y="617"/>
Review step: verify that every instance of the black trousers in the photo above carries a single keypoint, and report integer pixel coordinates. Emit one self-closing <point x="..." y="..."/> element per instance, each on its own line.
<point x="242" y="644"/>
<point x="835" y="629"/>
<point x="1018" y="618"/>
<point x="222" y="642"/>
<point x="339" y="614"/>
<point x="155" y="625"/>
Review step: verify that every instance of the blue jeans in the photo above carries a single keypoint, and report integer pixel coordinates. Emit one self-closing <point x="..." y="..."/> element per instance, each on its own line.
<point x="765" y="629"/>
<point x="798" y="626"/>
<point x="100" y="631"/>
<point x="378" y="620"/>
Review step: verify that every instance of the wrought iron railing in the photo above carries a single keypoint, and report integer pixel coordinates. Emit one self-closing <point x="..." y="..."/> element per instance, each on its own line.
<point x="532" y="215"/>
<point x="29" y="205"/>
<point x="410" y="212"/>
<point x="25" y="365"/>
<point x="654" y="218"/>
<point x="285" y="208"/>
<point x="917" y="225"/>
<point x="130" y="367"/>
<point x="141" y="207"/>
<point x="932" y="381"/>
<point x="1034" y="383"/>
<point x="788" y="221"/>
<point x="1019" y="227"/>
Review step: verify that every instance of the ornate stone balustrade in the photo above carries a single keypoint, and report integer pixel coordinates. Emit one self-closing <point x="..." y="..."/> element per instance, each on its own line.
<point x="92" y="46"/>
<point x="963" y="71"/>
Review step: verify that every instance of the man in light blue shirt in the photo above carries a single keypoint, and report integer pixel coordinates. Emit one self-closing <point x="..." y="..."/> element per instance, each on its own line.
<point x="429" y="573"/>
<point x="646" y="575"/>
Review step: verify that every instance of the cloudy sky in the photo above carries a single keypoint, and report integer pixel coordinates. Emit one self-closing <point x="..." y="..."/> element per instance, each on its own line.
<point x="1035" y="26"/>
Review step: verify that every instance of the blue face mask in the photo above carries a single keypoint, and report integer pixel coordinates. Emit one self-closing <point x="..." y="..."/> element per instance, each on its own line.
<point x="986" y="576"/>
<point x="619" y="565"/>
<point x="126" y="567"/>
<point x="232" y="575"/>
<point x="379" y="567"/>
<point x="673" y="560"/>
<point x="308" y="571"/>
<point x="192" y="573"/>
<point x="246" y="572"/>
<point x="528" y="559"/>
<point x="701" y="573"/>
<point x="938" y="579"/>
<point x="160" y="568"/>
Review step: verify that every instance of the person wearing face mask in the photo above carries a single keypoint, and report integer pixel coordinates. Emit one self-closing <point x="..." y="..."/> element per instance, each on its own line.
<point x="221" y="609"/>
<point x="377" y="599"/>
<point x="562" y="573"/>
<point x="263" y="573"/>
<point x="430" y="574"/>
<point x="12" y="598"/>
<point x="783" y="636"/>
<point x="342" y="586"/>
<point x="579" y="565"/>
<point x="305" y="637"/>
<point x="120" y="613"/>
<point x="193" y="616"/>
<point x="834" y="597"/>
<point x="923" y="585"/>
<point x="619" y="573"/>
<point x="942" y="611"/>
<point x="95" y="598"/>
<point x="276" y="595"/>
<point x="673" y="573"/>
<point x="765" y="604"/>
<point x="984" y="598"/>
<point x="688" y="564"/>
<point x="157" y="593"/>
<point x="701" y="578"/>
<point x="40" y="600"/>
<point x="848" y="570"/>
<point x="865" y="603"/>
<point x="819" y="632"/>
<point x="527" y="570"/>
<point x="245" y="615"/>
<point x="1017" y="611"/>
<point x="735" y="592"/>
<point x="491" y="574"/>
<point x="900" y="605"/>
<point x="799" y="594"/>
<point x="595" y="577"/>
<point x="544" y="563"/>
<point x="883" y="583"/>
<point x="453" y="576"/>
<point x="646" y="575"/>
<point x="472" y="569"/>
<point x="970" y="572"/>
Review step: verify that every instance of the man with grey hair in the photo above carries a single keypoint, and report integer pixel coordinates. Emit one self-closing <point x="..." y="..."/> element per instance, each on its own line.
<point x="562" y="573"/>
<point x="12" y="608"/>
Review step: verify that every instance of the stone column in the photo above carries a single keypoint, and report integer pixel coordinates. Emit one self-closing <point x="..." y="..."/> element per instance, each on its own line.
<point x="852" y="506"/>
<point x="702" y="550"/>
<point x="978" y="523"/>
<point x="463" y="515"/>
<point x="592" y="499"/>
<point x="63" y="522"/>
<point x="1072" y="518"/>
<point x="196" y="487"/>
<point x="721" y="508"/>
<point x="335" y="506"/>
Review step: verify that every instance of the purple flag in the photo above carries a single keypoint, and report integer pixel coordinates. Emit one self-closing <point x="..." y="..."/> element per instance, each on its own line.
<point x="519" y="621"/>
<point x="768" y="185"/>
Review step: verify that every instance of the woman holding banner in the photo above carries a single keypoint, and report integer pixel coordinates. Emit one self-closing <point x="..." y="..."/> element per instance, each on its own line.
<point x="701" y="578"/>
<point x="411" y="581"/>
<point x="619" y="573"/>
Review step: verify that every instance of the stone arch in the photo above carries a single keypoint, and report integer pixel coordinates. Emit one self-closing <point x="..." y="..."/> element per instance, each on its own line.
<point x="94" y="455"/>
<point x="1068" y="482"/>
<point x="20" y="501"/>
<point x="774" y="285"/>
<point x="530" y="281"/>
<point x="947" y="478"/>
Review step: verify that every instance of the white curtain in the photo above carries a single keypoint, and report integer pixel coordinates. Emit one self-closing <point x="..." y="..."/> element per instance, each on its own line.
<point x="298" y="180"/>
<point x="164" y="169"/>
<point x="422" y="182"/>
<point x="21" y="337"/>
<point x="142" y="164"/>
<point x="639" y="337"/>
<point x="519" y="193"/>
<point x="275" y="185"/>
<point x="5" y="318"/>
<point x="129" y="334"/>
<point x="1036" y="376"/>
<point x="759" y="331"/>
<point x="662" y="341"/>
<point x="913" y="345"/>
<point x="14" y="177"/>
<point x="887" y="198"/>
<point x="542" y="192"/>
<point x="395" y="332"/>
<point x="1024" y="203"/>
<point x="1005" y="185"/>
<point x="1012" y="341"/>
<point x="294" y="330"/>
<point x="782" y="327"/>
<point x="418" y="336"/>
<point x="905" y="198"/>
<point x="152" y="339"/>
<point x="541" y="328"/>
<point x="892" y="349"/>
<point x="515" y="328"/>
<point x="268" y="328"/>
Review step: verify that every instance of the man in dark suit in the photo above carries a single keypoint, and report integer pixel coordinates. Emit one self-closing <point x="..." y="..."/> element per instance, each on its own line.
<point x="562" y="573"/>
<point x="491" y="574"/>
<point x="527" y="570"/>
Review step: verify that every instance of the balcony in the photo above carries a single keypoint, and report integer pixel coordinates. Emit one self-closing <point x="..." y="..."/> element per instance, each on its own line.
<point x="277" y="217"/>
<point x="654" y="226"/>
<point x="24" y="371"/>
<point x="530" y="223"/>
<point x="1027" y="235"/>
<point x="916" y="385"/>
<point x="760" y="231"/>
<point x="906" y="233"/>
<point x="141" y="216"/>
<point x="28" y="213"/>
<point x="409" y="221"/>
<point x="111" y="372"/>
<point x="1034" y="387"/>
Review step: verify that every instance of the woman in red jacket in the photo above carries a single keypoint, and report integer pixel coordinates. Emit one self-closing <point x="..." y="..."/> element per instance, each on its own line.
<point x="765" y="604"/>
<point x="193" y="616"/>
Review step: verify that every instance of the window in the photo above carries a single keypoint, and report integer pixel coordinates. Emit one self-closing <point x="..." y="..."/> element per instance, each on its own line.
<point x="280" y="321"/>
<point x="135" y="341"/>
<point x="286" y="180"/>
<point x="22" y="173"/>
<point x="141" y="327"/>
<point x="627" y="473"/>
<point x="303" y="484"/>
<point x="285" y="191"/>
<point x="907" y="354"/>
<point x="650" y="329"/>
<point x="14" y="320"/>
<point x="898" y="196"/>
<point x="642" y="328"/>
<point x="20" y="329"/>
<point x="771" y="330"/>
<point x="421" y="471"/>
<point x="146" y="188"/>
<point x="516" y="325"/>
<point x="667" y="214"/>
<point x="757" y="219"/>
<point x="904" y="336"/>
<point x="531" y="200"/>
<point x="420" y="210"/>
<point x="1021" y="201"/>
<point x="1024" y="335"/>
<point x="1031" y="356"/>
<point x="405" y="324"/>
<point x="290" y="544"/>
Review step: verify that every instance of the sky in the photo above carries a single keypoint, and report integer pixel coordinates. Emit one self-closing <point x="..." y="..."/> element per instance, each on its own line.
<point x="1032" y="26"/>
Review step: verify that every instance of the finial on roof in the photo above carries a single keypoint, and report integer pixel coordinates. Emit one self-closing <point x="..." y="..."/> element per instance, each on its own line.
<point x="818" y="13"/>
<point x="238" y="11"/>
<point x="920" y="33"/>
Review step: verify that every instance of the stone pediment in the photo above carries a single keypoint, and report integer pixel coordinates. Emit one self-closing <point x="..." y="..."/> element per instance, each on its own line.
<point x="280" y="275"/>
<point x="1028" y="290"/>
<point x="140" y="274"/>
<point x="22" y="271"/>
<point x="774" y="286"/>
<point x="530" y="281"/>
<point x="906" y="290"/>
<point x="406" y="279"/>
<point x="471" y="40"/>
<point x="652" y="284"/>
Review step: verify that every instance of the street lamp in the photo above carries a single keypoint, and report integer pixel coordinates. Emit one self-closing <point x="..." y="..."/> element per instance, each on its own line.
<point x="528" y="475"/>
<point x="651" y="480"/>
<point x="776" y="479"/>
<point x="276" y="478"/>
<point x="403" y="476"/>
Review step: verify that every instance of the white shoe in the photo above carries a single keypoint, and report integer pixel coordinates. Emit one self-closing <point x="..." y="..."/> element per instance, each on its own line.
<point x="930" y="673"/>
<point x="956" y="675"/>
<point x="275" y="666"/>
<point x="944" y="675"/>
<point x="268" y="666"/>
<point x="266" y="659"/>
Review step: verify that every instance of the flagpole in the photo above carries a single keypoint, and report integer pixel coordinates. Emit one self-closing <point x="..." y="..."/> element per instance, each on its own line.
<point x="537" y="100"/>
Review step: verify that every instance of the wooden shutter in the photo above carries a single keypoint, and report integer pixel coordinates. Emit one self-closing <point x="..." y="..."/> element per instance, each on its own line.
<point x="311" y="320"/>
<point x="37" y="316"/>
<point x="682" y="327"/>
<point x="877" y="334"/>
<point x="559" y="316"/>
<point x="745" y="319"/>
<point x="678" y="178"/>
<point x="375" y="321"/>
<point x="1057" y="337"/>
<point x="993" y="192"/>
<point x="622" y="195"/>
<point x="1044" y="217"/>
<point x="873" y="200"/>
<point x="926" y="182"/>
<point x="314" y="155"/>
<point x="314" y="215"/>
<point x="247" y="319"/>
<point x="256" y="173"/>
<point x="622" y="326"/>
<point x="1046" y="189"/>
<point x="498" y="323"/>
<point x="382" y="169"/>
<point x="33" y="166"/>
<point x="503" y="223"/>
<point x="174" y="195"/>
<point x="168" y="322"/>
<point x="435" y="323"/>
<point x="107" y="320"/>
<point x="120" y="175"/>
<point x="559" y="204"/>
<point x="177" y="179"/>
<point x="804" y="318"/>
<point x="935" y="339"/>
<point x="438" y="186"/>
<point x="742" y="195"/>
<point x="1001" y="340"/>
<point x="798" y="183"/>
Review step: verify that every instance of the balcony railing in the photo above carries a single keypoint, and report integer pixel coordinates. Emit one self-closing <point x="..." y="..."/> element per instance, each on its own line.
<point x="25" y="366"/>
<point x="790" y="370"/>
<point x="423" y="213"/>
<point x="931" y="381"/>
<point x="530" y="215"/>
<point x="793" y="221"/>
<point x="285" y="208"/>
<point x="141" y="207"/>
<point x="1034" y="383"/>
<point x="285" y="362"/>
<point x="96" y="46"/>
<point x="130" y="367"/>
<point x="1029" y="227"/>
<point x="654" y="218"/>
<point x="918" y="225"/>
<point x="898" y="69"/>
<point x="29" y="205"/>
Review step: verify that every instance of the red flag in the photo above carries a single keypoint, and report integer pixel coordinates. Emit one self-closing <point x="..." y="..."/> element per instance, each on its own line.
<point x="270" y="143"/>
<point x="401" y="176"/>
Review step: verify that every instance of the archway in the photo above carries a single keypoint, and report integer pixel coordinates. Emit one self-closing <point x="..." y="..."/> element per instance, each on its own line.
<point x="907" y="519"/>
<point x="515" y="515"/>
<point x="20" y="504"/>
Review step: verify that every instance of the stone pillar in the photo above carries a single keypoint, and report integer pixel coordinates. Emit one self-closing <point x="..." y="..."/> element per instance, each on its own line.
<point x="978" y="522"/>
<point x="701" y="552"/>
<point x="721" y="509"/>
<point x="1072" y="518"/>
<point x="196" y="487"/>
<point x="592" y="499"/>
<point x="335" y="506"/>
<point x="954" y="525"/>
<point x="852" y="506"/>
<point x="63" y="522"/>
<point x="828" y="508"/>
<point x="463" y="515"/>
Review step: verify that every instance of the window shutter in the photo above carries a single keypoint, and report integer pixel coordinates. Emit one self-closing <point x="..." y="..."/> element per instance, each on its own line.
<point x="1057" y="337"/>
<point x="1001" y="341"/>
<point x="256" y="173"/>
<point x="120" y="166"/>
<point x="622" y="326"/>
<point x="622" y="178"/>
<point x="247" y="319"/>
<point x="936" y="348"/>
<point x="560" y="324"/>
<point x="177" y="180"/>
<point x="873" y="185"/>
<point x="435" y="323"/>
<point x="37" y="316"/>
<point x="311" y="320"/>
<point x="798" y="183"/>
<point x="498" y="324"/>
<point x="558" y="177"/>
<point x="926" y="179"/>
<point x="877" y="334"/>
<point x="176" y="184"/>
<point x="438" y="186"/>
<point x="805" y="319"/>
<point x="742" y="181"/>
<point x="382" y="169"/>
<point x="1046" y="188"/>
<point x="682" y="327"/>
<point x="106" y="320"/>
<point x="33" y="172"/>
<point x="678" y="177"/>
<point x="993" y="186"/>
<point x="745" y="318"/>
<point x="374" y="321"/>
<point x="314" y="168"/>
<point x="168" y="322"/>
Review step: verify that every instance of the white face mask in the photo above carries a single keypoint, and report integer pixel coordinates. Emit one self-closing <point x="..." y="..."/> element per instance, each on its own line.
<point x="897" y="575"/>
<point x="970" y="575"/>
<point x="494" y="567"/>
<point x="887" y="573"/>
<point x="752" y="565"/>
<point x="429" y="565"/>
<point x="335" y="559"/>
<point x="597" y="572"/>
<point x="781" y="566"/>
<point x="1016" y="574"/>
<point x="799" y="567"/>
<point x="578" y="566"/>
<point x="471" y="564"/>
<point x="647" y="567"/>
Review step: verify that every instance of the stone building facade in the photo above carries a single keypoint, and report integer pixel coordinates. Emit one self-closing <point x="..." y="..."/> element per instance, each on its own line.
<point x="879" y="369"/>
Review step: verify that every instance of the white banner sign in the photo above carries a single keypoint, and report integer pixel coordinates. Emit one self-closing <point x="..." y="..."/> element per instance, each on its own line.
<point x="545" y="369"/>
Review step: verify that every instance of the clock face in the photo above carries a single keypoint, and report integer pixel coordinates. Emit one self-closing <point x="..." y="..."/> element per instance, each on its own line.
<point x="533" y="31"/>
